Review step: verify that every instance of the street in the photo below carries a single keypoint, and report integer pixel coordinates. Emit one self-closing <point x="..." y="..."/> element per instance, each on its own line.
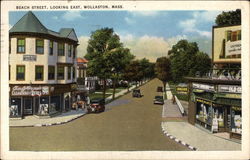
<point x="127" y="125"/>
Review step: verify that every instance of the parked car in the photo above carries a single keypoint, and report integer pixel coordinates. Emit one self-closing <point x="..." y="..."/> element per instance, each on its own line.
<point x="136" y="93"/>
<point x="159" y="89"/>
<point x="96" y="105"/>
<point x="158" y="100"/>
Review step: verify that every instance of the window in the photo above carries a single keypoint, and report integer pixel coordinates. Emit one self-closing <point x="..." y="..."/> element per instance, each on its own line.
<point x="9" y="46"/>
<point x="234" y="36"/>
<point x="39" y="73"/>
<point x="9" y="72"/>
<point x="69" y="50"/>
<point x="60" y="72"/>
<point x="51" y="73"/>
<point x="39" y="46"/>
<point x="73" y="73"/>
<point x="60" y="49"/>
<point x="69" y="72"/>
<point x="74" y="52"/>
<point x="20" y="45"/>
<point x="20" y="73"/>
<point x="239" y="35"/>
<point x="50" y="47"/>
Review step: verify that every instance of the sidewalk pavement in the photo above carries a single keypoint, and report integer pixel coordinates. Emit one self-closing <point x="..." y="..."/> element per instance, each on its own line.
<point x="201" y="140"/>
<point x="34" y="121"/>
<point x="189" y="135"/>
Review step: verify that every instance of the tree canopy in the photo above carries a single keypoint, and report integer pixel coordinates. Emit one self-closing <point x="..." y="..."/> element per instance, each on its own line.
<point x="162" y="70"/>
<point x="229" y="18"/>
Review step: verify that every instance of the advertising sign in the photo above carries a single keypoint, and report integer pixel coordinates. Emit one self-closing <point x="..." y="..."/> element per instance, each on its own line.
<point x="233" y="48"/>
<point x="29" y="57"/>
<point x="229" y="88"/>
<point x="30" y="91"/>
<point x="181" y="90"/>
<point x="206" y="87"/>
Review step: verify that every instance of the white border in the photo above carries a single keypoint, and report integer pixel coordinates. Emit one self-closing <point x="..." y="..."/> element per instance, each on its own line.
<point x="7" y="6"/>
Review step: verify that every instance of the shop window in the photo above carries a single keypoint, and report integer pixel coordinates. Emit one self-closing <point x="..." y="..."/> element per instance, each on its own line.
<point x="15" y="107"/>
<point x="69" y="50"/>
<point x="60" y="49"/>
<point x="20" y="73"/>
<point x="39" y="46"/>
<point x="51" y="73"/>
<point x="55" y="104"/>
<point x="44" y="106"/>
<point x="204" y="113"/>
<point x="69" y="72"/>
<point x="51" y="47"/>
<point x="236" y="120"/>
<point x="39" y="73"/>
<point x="20" y="45"/>
<point x="218" y="115"/>
<point x="60" y="72"/>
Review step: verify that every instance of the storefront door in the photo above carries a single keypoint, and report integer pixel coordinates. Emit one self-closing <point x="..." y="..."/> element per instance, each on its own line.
<point x="27" y="106"/>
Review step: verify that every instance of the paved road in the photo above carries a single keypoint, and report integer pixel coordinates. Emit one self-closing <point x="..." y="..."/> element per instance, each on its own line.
<point x="134" y="125"/>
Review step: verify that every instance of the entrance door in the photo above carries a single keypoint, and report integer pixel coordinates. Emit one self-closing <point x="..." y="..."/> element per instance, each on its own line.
<point x="27" y="106"/>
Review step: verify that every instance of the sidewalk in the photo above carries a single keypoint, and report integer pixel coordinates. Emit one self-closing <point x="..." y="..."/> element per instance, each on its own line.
<point x="34" y="121"/>
<point x="198" y="138"/>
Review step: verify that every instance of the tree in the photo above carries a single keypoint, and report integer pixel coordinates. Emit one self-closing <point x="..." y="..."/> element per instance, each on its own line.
<point x="162" y="69"/>
<point x="186" y="60"/>
<point x="229" y="18"/>
<point x="146" y="68"/>
<point x="132" y="72"/>
<point x="101" y="43"/>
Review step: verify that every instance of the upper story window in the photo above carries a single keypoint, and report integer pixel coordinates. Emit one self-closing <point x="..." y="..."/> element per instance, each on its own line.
<point x="51" y="73"/>
<point x="233" y="35"/>
<point x="74" y="52"/>
<point x="69" y="72"/>
<point x="73" y="72"/>
<point x="50" y="47"/>
<point x="20" y="45"/>
<point x="39" y="73"/>
<point x="20" y="72"/>
<point x="69" y="50"/>
<point x="39" y="46"/>
<point x="60" y="49"/>
<point x="60" y="72"/>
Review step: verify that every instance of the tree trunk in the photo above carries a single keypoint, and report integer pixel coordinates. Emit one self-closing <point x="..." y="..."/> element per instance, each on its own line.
<point x="104" y="88"/>
<point x="114" y="86"/>
<point x="128" y="86"/>
<point x="164" y="85"/>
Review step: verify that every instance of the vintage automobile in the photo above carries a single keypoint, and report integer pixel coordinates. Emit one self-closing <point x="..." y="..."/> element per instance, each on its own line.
<point x="158" y="100"/>
<point x="136" y="93"/>
<point x="97" y="105"/>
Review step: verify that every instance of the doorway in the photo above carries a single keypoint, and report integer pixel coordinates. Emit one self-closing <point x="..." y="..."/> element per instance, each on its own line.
<point x="28" y="106"/>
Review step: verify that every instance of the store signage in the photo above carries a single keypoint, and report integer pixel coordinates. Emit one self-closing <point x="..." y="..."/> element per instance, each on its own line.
<point x="29" y="57"/>
<point x="228" y="95"/>
<point x="204" y="102"/>
<point x="181" y="90"/>
<point x="233" y="48"/>
<point x="236" y="108"/>
<point x="229" y="88"/>
<point x="206" y="87"/>
<point x="30" y="91"/>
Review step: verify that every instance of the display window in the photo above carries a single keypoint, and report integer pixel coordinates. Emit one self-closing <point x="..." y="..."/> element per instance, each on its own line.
<point x="15" y="107"/>
<point x="218" y="115"/>
<point x="236" y="120"/>
<point x="55" y="103"/>
<point x="204" y="111"/>
<point x="43" y="106"/>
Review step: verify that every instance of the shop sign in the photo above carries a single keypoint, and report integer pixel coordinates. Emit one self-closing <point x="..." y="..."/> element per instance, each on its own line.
<point x="206" y="87"/>
<point x="204" y="102"/>
<point x="233" y="48"/>
<point x="229" y="88"/>
<point x="30" y="91"/>
<point x="181" y="90"/>
<point x="73" y="86"/>
<point x="236" y="108"/>
<point x="29" y="57"/>
<point x="228" y="95"/>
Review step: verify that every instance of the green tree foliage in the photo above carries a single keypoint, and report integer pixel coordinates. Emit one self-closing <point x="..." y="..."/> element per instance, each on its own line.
<point x="147" y="68"/>
<point x="186" y="60"/>
<point x="229" y="18"/>
<point x="162" y="70"/>
<point x="103" y="48"/>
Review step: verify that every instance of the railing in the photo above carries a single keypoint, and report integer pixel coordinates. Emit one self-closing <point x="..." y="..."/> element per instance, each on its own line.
<point x="180" y="106"/>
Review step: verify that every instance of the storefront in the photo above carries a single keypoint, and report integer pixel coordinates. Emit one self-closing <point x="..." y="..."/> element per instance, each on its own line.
<point x="40" y="100"/>
<point x="216" y="107"/>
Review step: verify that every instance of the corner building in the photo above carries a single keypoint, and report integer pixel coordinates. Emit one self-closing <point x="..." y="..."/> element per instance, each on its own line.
<point x="215" y="100"/>
<point x="42" y="68"/>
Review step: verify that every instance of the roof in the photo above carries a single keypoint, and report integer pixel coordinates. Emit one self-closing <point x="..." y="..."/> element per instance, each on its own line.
<point x="81" y="60"/>
<point x="29" y="23"/>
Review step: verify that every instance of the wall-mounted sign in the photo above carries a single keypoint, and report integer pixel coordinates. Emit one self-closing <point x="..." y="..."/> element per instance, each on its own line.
<point x="181" y="90"/>
<point x="229" y="88"/>
<point x="228" y="95"/>
<point x="29" y="57"/>
<point x="206" y="87"/>
<point x="30" y="91"/>
<point x="233" y="48"/>
<point x="204" y="102"/>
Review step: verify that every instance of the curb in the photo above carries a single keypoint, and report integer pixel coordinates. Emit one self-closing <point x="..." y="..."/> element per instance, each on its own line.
<point x="177" y="140"/>
<point x="52" y="124"/>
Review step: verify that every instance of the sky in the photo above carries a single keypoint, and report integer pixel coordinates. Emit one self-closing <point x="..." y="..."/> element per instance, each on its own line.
<point x="148" y="34"/>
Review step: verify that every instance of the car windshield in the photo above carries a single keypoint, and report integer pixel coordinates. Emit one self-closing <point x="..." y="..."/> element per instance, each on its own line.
<point x="158" y="97"/>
